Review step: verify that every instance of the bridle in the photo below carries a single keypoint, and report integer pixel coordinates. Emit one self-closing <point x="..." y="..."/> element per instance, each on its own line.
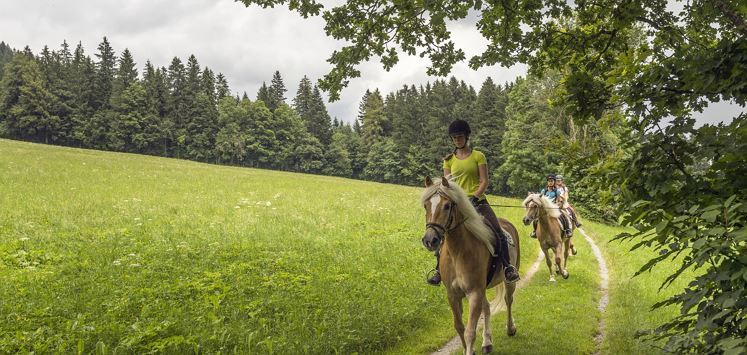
<point x="441" y="230"/>
<point x="536" y="208"/>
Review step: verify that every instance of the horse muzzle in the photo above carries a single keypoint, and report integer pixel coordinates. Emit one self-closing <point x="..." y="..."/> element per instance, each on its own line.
<point x="431" y="240"/>
<point x="526" y="220"/>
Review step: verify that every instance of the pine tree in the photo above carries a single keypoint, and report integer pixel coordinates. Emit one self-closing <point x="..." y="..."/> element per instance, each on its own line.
<point x="177" y="106"/>
<point x="157" y="125"/>
<point x="490" y="126"/>
<point x="6" y="55"/>
<point x="83" y="78"/>
<point x="276" y="92"/>
<point x="221" y="87"/>
<point x="309" y="105"/>
<point x="373" y="117"/>
<point x="105" y="68"/>
<point x="263" y="94"/>
<point x="126" y="75"/>
<point x="24" y="101"/>
<point x="207" y="85"/>
<point x="302" y="101"/>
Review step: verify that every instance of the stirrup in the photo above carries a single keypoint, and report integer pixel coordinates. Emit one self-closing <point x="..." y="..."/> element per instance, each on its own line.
<point x="434" y="280"/>
<point x="511" y="274"/>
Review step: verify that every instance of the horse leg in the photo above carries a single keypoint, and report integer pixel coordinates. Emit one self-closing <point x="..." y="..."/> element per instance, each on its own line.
<point x="456" y="310"/>
<point x="487" y="337"/>
<point x="558" y="252"/>
<point x="509" y="297"/>
<point x="549" y="263"/>
<point x="565" y="253"/>
<point x="476" y="299"/>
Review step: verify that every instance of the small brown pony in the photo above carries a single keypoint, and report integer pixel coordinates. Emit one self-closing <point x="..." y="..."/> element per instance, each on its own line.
<point x="549" y="231"/>
<point x="467" y="241"/>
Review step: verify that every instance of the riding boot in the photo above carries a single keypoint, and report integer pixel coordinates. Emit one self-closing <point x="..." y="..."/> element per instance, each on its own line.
<point x="510" y="272"/>
<point x="534" y="230"/>
<point x="436" y="278"/>
<point x="575" y="219"/>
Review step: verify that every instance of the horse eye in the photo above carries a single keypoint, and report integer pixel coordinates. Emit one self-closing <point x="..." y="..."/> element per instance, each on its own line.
<point x="447" y="206"/>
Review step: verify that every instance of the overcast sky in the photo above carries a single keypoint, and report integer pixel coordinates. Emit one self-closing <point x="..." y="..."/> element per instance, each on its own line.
<point x="246" y="44"/>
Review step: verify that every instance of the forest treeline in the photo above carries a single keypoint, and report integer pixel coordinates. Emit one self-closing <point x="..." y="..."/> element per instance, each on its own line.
<point x="188" y="111"/>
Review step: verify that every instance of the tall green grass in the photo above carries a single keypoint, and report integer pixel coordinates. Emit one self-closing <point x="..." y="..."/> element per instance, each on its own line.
<point x="111" y="253"/>
<point x="125" y="253"/>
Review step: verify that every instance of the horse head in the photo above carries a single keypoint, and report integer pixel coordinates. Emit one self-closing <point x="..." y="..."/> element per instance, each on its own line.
<point x="531" y="204"/>
<point x="439" y="213"/>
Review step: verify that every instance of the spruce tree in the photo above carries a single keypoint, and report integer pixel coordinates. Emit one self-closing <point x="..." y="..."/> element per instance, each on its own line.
<point x="276" y="92"/>
<point x="372" y="117"/>
<point x="105" y="68"/>
<point x="83" y="78"/>
<point x="207" y="85"/>
<point x="25" y="102"/>
<point x="177" y="106"/>
<point x="6" y="55"/>
<point x="221" y="87"/>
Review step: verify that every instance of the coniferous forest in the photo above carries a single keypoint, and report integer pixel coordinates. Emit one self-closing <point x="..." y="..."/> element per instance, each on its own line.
<point x="186" y="110"/>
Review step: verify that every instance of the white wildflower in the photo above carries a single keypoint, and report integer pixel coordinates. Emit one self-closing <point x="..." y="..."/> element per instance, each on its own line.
<point x="23" y="239"/>
<point x="117" y="262"/>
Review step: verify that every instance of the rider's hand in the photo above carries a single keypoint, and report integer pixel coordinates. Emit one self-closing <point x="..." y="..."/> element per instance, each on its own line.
<point x="474" y="200"/>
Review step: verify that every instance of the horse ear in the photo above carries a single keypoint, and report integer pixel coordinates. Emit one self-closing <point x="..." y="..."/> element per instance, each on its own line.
<point x="445" y="181"/>
<point x="529" y="193"/>
<point x="428" y="181"/>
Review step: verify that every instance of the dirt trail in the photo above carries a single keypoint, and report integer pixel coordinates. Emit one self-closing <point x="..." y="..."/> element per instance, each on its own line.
<point x="603" y="288"/>
<point x="455" y="343"/>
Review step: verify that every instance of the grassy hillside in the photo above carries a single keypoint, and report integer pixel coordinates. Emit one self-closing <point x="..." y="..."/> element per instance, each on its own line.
<point x="112" y="252"/>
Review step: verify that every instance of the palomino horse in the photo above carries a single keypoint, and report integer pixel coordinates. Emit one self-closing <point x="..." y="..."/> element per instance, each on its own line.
<point x="549" y="231"/>
<point x="467" y="247"/>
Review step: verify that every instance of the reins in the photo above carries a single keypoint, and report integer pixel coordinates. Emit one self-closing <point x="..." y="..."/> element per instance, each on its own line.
<point x="549" y="208"/>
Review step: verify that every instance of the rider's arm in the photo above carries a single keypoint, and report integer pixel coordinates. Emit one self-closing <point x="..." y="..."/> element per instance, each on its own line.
<point x="483" y="170"/>
<point x="447" y="173"/>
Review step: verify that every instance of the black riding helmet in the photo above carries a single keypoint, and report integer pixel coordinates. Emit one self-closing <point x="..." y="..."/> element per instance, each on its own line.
<point x="459" y="126"/>
<point x="550" y="176"/>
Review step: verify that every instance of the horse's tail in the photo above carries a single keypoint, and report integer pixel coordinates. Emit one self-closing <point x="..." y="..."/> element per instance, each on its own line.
<point x="500" y="298"/>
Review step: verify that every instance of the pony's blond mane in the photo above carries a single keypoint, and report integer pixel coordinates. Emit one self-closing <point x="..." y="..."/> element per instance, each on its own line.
<point x="543" y="201"/>
<point x="473" y="220"/>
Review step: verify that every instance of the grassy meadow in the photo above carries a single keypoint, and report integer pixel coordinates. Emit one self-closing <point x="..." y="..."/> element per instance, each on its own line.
<point x="118" y="253"/>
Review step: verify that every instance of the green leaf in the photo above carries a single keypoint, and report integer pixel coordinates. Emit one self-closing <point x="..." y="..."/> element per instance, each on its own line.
<point x="710" y="215"/>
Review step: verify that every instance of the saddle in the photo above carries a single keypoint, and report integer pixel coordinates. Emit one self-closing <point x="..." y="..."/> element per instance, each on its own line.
<point x="495" y="259"/>
<point x="565" y="222"/>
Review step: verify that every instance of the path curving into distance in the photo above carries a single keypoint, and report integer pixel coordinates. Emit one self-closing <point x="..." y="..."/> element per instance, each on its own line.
<point x="603" y="288"/>
<point x="496" y="305"/>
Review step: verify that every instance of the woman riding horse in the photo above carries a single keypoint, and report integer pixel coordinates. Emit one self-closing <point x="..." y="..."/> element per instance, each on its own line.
<point x="470" y="169"/>
<point x="467" y="258"/>
<point x="544" y="213"/>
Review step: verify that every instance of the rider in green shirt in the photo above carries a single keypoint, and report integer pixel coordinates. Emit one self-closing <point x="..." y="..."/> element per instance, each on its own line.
<point x="470" y="170"/>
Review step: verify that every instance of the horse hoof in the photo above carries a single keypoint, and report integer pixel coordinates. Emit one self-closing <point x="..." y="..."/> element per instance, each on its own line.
<point x="566" y="274"/>
<point x="552" y="279"/>
<point x="511" y="331"/>
<point x="487" y="349"/>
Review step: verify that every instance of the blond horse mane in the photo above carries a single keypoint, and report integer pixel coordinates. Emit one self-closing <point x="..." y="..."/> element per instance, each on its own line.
<point x="543" y="201"/>
<point x="473" y="220"/>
